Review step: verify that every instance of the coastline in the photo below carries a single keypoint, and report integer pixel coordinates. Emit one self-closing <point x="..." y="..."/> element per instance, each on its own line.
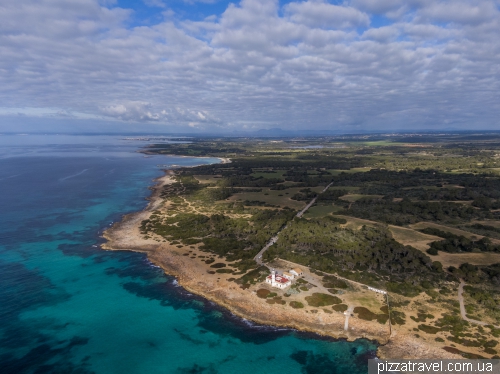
<point x="182" y="262"/>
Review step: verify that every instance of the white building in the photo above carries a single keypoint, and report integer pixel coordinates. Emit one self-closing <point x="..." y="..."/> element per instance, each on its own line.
<point x="377" y="290"/>
<point x="278" y="281"/>
<point x="287" y="275"/>
<point x="297" y="272"/>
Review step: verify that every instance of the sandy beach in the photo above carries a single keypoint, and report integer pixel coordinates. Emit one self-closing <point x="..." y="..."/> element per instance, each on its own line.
<point x="187" y="264"/>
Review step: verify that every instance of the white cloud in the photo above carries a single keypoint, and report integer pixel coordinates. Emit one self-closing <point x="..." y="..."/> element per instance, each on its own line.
<point x="140" y="111"/>
<point x="137" y="111"/>
<point x="307" y="64"/>
<point x="155" y="3"/>
<point x="378" y="6"/>
<point x="461" y="12"/>
<point x="382" y="34"/>
<point x="322" y="14"/>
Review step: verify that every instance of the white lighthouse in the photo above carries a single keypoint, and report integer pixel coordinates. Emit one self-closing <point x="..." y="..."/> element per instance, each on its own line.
<point x="278" y="281"/>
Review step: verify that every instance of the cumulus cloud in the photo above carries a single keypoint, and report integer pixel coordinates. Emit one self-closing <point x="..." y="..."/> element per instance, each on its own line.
<point x="307" y="64"/>
<point x="461" y="12"/>
<point x="382" y="34"/>
<point x="323" y="14"/>
<point x="378" y="6"/>
<point x="139" y="111"/>
<point x="131" y="111"/>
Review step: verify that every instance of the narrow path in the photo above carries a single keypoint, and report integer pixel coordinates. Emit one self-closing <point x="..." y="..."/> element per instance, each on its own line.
<point x="299" y="214"/>
<point x="274" y="239"/>
<point x="347" y="314"/>
<point x="258" y="257"/>
<point x="462" y="307"/>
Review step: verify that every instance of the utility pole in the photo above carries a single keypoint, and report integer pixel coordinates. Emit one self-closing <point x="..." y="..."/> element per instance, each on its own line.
<point x="389" y="312"/>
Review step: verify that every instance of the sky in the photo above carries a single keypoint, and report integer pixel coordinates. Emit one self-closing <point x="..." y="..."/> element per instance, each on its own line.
<point x="236" y="66"/>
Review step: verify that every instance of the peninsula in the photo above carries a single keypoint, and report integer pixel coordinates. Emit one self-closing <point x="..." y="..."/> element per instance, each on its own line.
<point x="395" y="240"/>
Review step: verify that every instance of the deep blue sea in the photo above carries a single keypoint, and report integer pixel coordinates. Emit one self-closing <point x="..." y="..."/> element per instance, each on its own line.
<point x="68" y="307"/>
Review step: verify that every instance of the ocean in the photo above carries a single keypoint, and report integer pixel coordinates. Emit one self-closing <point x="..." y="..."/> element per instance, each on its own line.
<point x="66" y="306"/>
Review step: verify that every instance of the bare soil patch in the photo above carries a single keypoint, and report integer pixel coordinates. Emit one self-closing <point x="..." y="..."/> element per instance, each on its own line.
<point x="356" y="223"/>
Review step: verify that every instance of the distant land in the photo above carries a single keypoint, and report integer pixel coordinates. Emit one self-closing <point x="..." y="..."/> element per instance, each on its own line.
<point x="427" y="135"/>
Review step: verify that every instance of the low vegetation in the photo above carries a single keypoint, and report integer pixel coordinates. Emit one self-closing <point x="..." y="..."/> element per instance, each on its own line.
<point x="321" y="299"/>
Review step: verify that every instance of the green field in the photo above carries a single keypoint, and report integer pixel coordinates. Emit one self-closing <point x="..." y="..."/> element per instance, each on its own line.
<point x="321" y="211"/>
<point x="266" y="174"/>
<point x="207" y="179"/>
<point x="274" y="197"/>
<point x="356" y="197"/>
<point x="350" y="171"/>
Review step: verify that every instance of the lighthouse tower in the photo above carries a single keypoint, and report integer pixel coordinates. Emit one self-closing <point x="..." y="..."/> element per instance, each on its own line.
<point x="277" y="280"/>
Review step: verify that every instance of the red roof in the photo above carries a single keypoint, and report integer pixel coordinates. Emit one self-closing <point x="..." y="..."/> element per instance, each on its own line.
<point x="279" y="279"/>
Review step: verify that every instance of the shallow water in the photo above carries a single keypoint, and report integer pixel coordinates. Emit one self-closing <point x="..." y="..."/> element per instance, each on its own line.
<point x="66" y="306"/>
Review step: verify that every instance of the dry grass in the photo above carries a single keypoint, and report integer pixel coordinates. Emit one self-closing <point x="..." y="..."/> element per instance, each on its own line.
<point x="446" y="259"/>
<point x="206" y="179"/>
<point x="456" y="259"/>
<point x="488" y="223"/>
<point x="411" y="237"/>
<point x="452" y="230"/>
<point x="348" y="188"/>
<point x="356" y="223"/>
<point x="365" y="298"/>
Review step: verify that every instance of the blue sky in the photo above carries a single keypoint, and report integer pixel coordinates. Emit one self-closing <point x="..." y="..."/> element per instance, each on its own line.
<point x="202" y="66"/>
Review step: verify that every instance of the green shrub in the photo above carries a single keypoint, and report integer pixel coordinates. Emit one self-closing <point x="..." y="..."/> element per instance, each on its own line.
<point x="364" y="313"/>
<point x="340" y="307"/>
<point x="403" y="288"/>
<point x="218" y="265"/>
<point x="368" y="315"/>
<point x="432" y="251"/>
<point x="224" y="271"/>
<point x="263" y="293"/>
<point x="330" y="281"/>
<point x="296" y="304"/>
<point x="397" y="317"/>
<point x="322" y="299"/>
<point x="429" y="329"/>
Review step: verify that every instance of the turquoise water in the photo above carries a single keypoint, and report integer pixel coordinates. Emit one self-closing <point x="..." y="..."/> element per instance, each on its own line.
<point x="68" y="307"/>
